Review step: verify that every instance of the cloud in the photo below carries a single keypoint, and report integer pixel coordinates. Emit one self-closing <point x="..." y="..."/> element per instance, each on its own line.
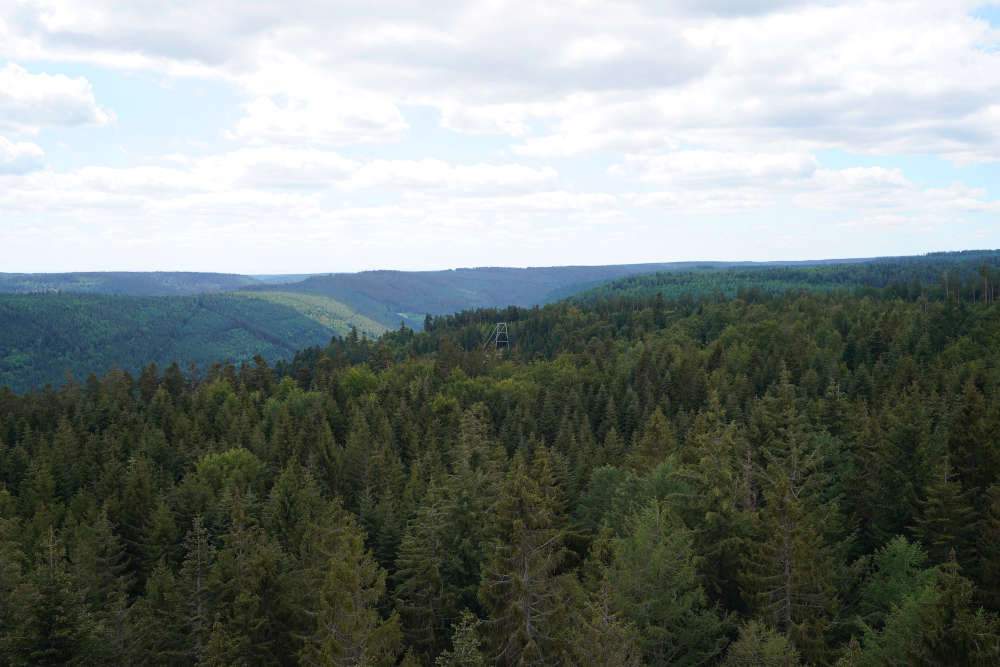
<point x="704" y="109"/>
<point x="718" y="168"/>
<point x="20" y="157"/>
<point x="323" y="119"/>
<point x="894" y="77"/>
<point x="29" y="102"/>
<point x="702" y="183"/>
<point x="230" y="182"/>
<point x="431" y="175"/>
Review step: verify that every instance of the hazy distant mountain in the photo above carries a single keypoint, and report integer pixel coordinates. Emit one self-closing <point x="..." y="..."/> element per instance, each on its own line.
<point x="130" y="283"/>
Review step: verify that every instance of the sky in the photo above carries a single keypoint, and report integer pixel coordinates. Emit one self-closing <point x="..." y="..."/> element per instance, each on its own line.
<point x="294" y="136"/>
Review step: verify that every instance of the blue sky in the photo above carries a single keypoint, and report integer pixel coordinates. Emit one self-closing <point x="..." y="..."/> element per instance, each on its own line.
<point x="290" y="137"/>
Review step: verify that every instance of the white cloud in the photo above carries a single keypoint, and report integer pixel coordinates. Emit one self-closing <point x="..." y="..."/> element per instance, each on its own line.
<point x="713" y="184"/>
<point x="718" y="168"/>
<point x="704" y="108"/>
<point x="31" y="101"/>
<point x="431" y="175"/>
<point x="322" y="119"/>
<point x="900" y="76"/>
<point x="19" y="157"/>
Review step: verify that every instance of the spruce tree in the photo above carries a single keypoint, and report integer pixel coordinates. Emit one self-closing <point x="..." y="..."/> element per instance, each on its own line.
<point x="342" y="588"/>
<point x="656" y="587"/>
<point x="521" y="590"/>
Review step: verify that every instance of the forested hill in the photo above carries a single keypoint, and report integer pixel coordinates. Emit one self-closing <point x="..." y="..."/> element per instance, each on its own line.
<point x="390" y="297"/>
<point x="46" y="336"/>
<point x="950" y="271"/>
<point x="805" y="478"/>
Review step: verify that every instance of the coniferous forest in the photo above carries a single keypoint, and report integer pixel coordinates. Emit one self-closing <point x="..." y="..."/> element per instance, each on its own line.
<point x="753" y="479"/>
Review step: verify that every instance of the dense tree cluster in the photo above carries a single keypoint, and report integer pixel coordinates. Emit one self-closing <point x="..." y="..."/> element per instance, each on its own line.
<point x="46" y="336"/>
<point x="971" y="275"/>
<point x="812" y="477"/>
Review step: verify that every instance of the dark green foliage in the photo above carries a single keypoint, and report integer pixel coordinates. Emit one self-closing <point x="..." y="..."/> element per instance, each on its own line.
<point x="655" y="585"/>
<point x="46" y="335"/>
<point x="938" y="625"/>
<point x="755" y="480"/>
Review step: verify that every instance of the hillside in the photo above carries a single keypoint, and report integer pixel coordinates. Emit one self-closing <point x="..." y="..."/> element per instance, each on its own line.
<point x="647" y="480"/>
<point x="330" y="313"/>
<point x="45" y="335"/>
<point x="902" y="274"/>
<point x="389" y="297"/>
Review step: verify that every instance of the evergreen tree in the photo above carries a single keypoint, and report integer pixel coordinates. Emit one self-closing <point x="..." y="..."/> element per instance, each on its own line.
<point x="601" y="636"/>
<point x="342" y="588"/>
<point x="521" y="590"/>
<point x="464" y="651"/>
<point x="195" y="598"/>
<point x="759" y="646"/>
<point x="51" y="626"/>
<point x="938" y="626"/>
<point x="897" y="575"/>
<point x="657" y="442"/>
<point x="947" y="520"/>
<point x="655" y="584"/>
<point x="250" y="588"/>
<point x="791" y="569"/>
<point x="988" y="549"/>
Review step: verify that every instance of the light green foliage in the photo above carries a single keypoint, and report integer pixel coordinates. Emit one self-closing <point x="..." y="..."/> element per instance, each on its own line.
<point x="332" y="314"/>
<point x="939" y="625"/>
<point x="897" y="575"/>
<point x="465" y="643"/>
<point x="759" y="646"/>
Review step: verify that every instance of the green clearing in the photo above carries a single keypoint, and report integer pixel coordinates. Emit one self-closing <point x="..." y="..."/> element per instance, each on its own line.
<point x="333" y="314"/>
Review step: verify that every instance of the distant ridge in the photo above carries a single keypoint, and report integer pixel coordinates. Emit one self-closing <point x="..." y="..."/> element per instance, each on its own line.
<point x="125" y="283"/>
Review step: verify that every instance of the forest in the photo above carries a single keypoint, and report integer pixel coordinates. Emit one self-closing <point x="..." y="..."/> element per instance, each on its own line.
<point x="46" y="337"/>
<point x="739" y="477"/>
<point x="86" y="322"/>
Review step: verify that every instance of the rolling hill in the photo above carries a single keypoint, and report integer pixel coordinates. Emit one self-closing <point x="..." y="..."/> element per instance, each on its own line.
<point x="46" y="335"/>
<point x="236" y="317"/>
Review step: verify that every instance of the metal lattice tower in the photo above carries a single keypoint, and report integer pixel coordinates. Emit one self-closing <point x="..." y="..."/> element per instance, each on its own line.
<point x="499" y="339"/>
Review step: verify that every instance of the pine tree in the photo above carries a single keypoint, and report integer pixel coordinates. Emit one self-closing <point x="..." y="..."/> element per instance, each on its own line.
<point x="759" y="646"/>
<point x="249" y="584"/>
<point x="974" y="441"/>
<point x="464" y="651"/>
<point x="988" y="549"/>
<point x="713" y="505"/>
<point x="898" y="574"/>
<point x="51" y="626"/>
<point x="657" y="442"/>
<point x="100" y="574"/>
<point x="601" y="636"/>
<point x="342" y="587"/>
<point x="947" y="520"/>
<point x="160" y="639"/>
<point x="940" y="625"/>
<point x="195" y="598"/>
<point x="791" y="569"/>
<point x="655" y="583"/>
<point x="521" y="590"/>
